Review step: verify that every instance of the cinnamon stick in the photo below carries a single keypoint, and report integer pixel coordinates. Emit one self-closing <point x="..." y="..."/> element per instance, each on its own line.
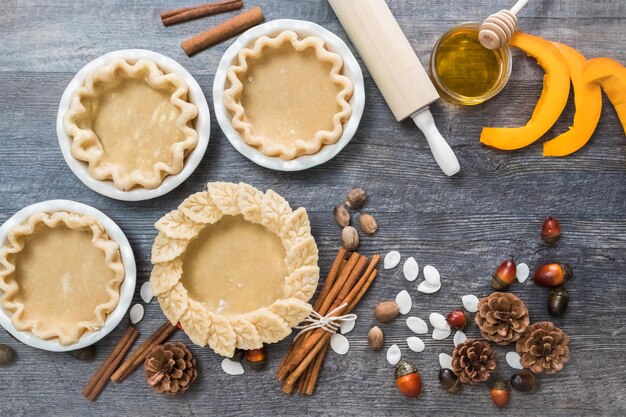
<point x="223" y="31"/>
<point x="140" y="354"/>
<point x="186" y="14"/>
<point x="330" y="279"/>
<point x="315" y="369"/>
<point x="99" y="379"/>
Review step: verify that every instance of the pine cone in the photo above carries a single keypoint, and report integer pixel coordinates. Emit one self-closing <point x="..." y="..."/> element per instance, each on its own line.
<point x="473" y="361"/>
<point x="170" y="368"/>
<point x="543" y="348"/>
<point x="502" y="317"/>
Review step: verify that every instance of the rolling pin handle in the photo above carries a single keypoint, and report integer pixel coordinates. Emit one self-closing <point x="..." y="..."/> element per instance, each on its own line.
<point x="443" y="153"/>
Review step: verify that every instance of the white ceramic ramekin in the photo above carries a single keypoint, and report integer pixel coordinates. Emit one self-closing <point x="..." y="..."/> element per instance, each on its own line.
<point x="127" y="288"/>
<point x="351" y="69"/>
<point x="202" y="125"/>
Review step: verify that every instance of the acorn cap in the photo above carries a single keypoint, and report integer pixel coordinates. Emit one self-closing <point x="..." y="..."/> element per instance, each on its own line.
<point x="404" y="368"/>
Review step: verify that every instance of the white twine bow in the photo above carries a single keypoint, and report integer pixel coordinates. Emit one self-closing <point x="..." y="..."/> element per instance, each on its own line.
<point x="329" y="323"/>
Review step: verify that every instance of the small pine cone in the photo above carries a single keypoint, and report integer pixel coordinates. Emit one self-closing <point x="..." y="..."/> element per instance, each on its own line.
<point x="473" y="361"/>
<point x="543" y="348"/>
<point x="502" y="317"/>
<point x="170" y="368"/>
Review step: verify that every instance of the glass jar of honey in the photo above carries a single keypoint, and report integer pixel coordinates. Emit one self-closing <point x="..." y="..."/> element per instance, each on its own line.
<point x="464" y="71"/>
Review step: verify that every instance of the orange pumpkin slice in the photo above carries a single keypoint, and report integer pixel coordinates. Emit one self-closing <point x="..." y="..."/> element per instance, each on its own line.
<point x="611" y="75"/>
<point x="556" y="84"/>
<point x="588" y="102"/>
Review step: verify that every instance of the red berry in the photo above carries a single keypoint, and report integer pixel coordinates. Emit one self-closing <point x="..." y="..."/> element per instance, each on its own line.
<point x="458" y="319"/>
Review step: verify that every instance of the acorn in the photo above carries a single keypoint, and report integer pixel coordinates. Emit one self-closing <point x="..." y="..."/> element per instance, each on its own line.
<point x="449" y="381"/>
<point x="458" y="319"/>
<point x="504" y="275"/>
<point x="551" y="230"/>
<point x="558" y="301"/>
<point x="408" y="379"/>
<point x="500" y="393"/>
<point x="552" y="275"/>
<point x="523" y="381"/>
<point x="7" y="354"/>
<point x="256" y="358"/>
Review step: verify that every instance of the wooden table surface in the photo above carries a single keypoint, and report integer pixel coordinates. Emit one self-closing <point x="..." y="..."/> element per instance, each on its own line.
<point x="463" y="225"/>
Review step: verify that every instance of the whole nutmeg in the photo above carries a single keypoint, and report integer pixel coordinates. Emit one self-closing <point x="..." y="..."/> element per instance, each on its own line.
<point x="368" y="223"/>
<point x="386" y="311"/>
<point x="342" y="217"/>
<point x="356" y="198"/>
<point x="375" y="338"/>
<point x="349" y="238"/>
<point x="7" y="355"/>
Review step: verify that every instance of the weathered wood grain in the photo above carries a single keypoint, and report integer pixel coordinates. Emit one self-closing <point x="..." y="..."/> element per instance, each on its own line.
<point x="464" y="226"/>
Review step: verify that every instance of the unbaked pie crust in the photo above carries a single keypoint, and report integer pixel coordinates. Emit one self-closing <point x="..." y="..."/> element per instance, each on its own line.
<point x="60" y="275"/>
<point x="287" y="96"/>
<point x="235" y="267"/>
<point x="132" y="123"/>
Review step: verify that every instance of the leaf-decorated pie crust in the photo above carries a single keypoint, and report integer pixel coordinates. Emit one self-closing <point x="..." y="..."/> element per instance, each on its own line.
<point x="244" y="122"/>
<point x="66" y="277"/>
<point x="249" y="330"/>
<point x="80" y="120"/>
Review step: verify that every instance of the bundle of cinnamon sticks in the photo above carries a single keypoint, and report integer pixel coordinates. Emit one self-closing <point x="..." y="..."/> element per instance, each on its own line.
<point x="348" y="280"/>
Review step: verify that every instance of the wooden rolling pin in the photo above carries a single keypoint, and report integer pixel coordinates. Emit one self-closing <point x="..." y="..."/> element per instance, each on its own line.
<point x="396" y="69"/>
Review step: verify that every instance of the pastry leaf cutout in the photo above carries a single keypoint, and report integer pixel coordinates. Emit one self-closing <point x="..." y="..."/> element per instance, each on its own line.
<point x="225" y="196"/>
<point x="221" y="336"/>
<point x="250" y="201"/>
<point x="165" y="249"/>
<point x="174" y="303"/>
<point x="200" y="208"/>
<point x="247" y="336"/>
<point x="274" y="211"/>
<point x="296" y="227"/>
<point x="301" y="283"/>
<point x="291" y="310"/>
<point x="270" y="326"/>
<point x="195" y="323"/>
<point x="165" y="276"/>
<point x="304" y="253"/>
<point x="176" y="225"/>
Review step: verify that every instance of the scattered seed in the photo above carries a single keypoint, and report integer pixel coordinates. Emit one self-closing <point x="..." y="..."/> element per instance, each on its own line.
<point x="347" y="326"/>
<point x="136" y="313"/>
<point x="415" y="344"/>
<point x="231" y="367"/>
<point x="432" y="277"/>
<point x="392" y="259"/>
<point x="439" y="334"/>
<point x="411" y="269"/>
<point x="459" y="337"/>
<point x="339" y="343"/>
<point x="146" y="292"/>
<point x="394" y="355"/>
<point x="438" y="321"/>
<point x="445" y="361"/>
<point x="522" y="272"/>
<point x="403" y="299"/>
<point x="425" y="288"/>
<point x="470" y="302"/>
<point x="513" y="359"/>
<point x="417" y="325"/>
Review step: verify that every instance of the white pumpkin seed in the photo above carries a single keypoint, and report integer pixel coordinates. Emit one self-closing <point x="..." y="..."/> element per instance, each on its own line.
<point x="425" y="288"/>
<point x="522" y="272"/>
<point x="410" y="269"/>
<point x="394" y="355"/>
<point x="459" y="337"/>
<point x="445" y="361"/>
<point x="513" y="359"/>
<point x="432" y="276"/>
<point x="136" y="313"/>
<point x="438" y="321"/>
<point x="439" y="334"/>
<point x="403" y="299"/>
<point x="347" y="326"/>
<point x="415" y="344"/>
<point x="417" y="325"/>
<point x="392" y="259"/>
<point x="470" y="302"/>
<point x="339" y="343"/>
<point x="232" y="367"/>
<point x="146" y="292"/>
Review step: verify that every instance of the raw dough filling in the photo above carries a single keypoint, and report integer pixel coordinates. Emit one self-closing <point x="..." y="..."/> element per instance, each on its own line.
<point x="287" y="95"/>
<point x="60" y="275"/>
<point x="235" y="266"/>
<point x="132" y="123"/>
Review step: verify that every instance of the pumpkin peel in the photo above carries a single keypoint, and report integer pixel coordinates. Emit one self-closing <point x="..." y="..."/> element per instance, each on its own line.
<point x="556" y="85"/>
<point x="588" y="103"/>
<point x="611" y="75"/>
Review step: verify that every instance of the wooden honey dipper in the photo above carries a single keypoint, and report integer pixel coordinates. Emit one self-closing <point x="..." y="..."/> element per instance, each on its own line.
<point x="498" y="29"/>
